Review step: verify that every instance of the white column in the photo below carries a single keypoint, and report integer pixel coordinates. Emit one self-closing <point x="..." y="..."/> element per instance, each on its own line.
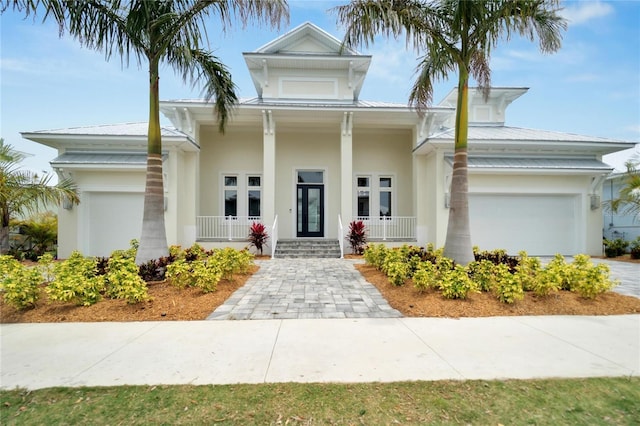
<point x="346" y="169"/>
<point x="268" y="168"/>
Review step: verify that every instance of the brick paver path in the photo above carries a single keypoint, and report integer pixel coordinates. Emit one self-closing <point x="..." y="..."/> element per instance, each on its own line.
<point x="305" y="288"/>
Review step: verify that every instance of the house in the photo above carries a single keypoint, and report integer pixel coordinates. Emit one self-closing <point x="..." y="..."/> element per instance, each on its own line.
<point x="618" y="225"/>
<point x="307" y="156"/>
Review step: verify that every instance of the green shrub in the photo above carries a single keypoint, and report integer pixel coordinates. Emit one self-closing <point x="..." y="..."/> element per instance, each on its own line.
<point x="634" y="248"/>
<point x="397" y="272"/>
<point x="532" y="277"/>
<point x="19" y="285"/>
<point x="425" y="277"/>
<point x="587" y="279"/>
<point x="375" y="255"/>
<point x="507" y="287"/>
<point x="76" y="281"/>
<point x="483" y="274"/>
<point x="207" y="274"/>
<point x="230" y="261"/>
<point x="455" y="283"/>
<point x="179" y="273"/>
<point x="122" y="280"/>
<point x="615" y="248"/>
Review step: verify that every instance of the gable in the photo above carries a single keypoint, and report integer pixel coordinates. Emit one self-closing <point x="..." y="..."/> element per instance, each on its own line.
<point x="306" y="38"/>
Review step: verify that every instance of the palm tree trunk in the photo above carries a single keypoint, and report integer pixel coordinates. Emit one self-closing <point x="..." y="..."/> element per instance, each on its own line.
<point x="458" y="242"/>
<point x="153" y="241"/>
<point x="4" y="231"/>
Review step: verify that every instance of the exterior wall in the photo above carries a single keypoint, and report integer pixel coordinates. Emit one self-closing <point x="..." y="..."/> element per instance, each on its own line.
<point x="235" y="151"/>
<point x="386" y="153"/>
<point x="618" y="225"/>
<point x="180" y="183"/>
<point x="314" y="84"/>
<point x="314" y="150"/>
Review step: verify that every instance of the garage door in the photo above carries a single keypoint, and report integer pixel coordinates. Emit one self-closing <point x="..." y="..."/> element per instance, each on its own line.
<point x="114" y="219"/>
<point x="539" y="224"/>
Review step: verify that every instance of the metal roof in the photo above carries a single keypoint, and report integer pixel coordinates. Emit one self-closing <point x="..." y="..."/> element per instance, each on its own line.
<point x="122" y="129"/>
<point x="506" y="133"/>
<point x="77" y="158"/>
<point x="534" y="163"/>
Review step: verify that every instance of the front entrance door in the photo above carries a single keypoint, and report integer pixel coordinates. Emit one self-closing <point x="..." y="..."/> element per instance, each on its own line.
<point x="310" y="211"/>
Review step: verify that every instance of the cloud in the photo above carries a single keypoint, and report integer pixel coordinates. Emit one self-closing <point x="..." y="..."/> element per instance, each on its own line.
<point x="582" y="12"/>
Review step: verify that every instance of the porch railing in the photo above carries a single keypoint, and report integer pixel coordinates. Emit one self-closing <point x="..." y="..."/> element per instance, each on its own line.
<point x="341" y="236"/>
<point x="224" y="227"/>
<point x="274" y="237"/>
<point x="390" y="227"/>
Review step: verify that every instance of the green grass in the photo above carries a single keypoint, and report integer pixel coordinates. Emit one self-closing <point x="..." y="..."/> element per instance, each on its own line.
<point x="593" y="401"/>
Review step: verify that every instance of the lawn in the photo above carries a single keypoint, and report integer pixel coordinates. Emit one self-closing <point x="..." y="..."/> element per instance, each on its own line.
<point x="594" y="401"/>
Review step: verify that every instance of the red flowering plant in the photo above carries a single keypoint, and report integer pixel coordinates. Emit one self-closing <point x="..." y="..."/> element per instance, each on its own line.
<point x="258" y="236"/>
<point x="357" y="236"/>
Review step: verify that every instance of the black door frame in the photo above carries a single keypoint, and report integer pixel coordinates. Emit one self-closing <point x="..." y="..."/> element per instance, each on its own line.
<point x="305" y="210"/>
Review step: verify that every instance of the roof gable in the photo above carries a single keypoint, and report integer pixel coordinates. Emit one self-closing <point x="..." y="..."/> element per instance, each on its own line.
<point x="305" y="39"/>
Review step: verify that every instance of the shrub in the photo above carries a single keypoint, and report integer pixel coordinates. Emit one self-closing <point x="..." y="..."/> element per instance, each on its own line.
<point x="615" y="248"/>
<point x="587" y="279"/>
<point x="230" y="261"/>
<point x="455" y="283"/>
<point x="425" y="277"/>
<point x="482" y="272"/>
<point x="19" y="285"/>
<point x="179" y="273"/>
<point x="507" y="287"/>
<point x="375" y="255"/>
<point x="76" y="281"/>
<point x="634" y="248"/>
<point x="557" y="272"/>
<point x="397" y="272"/>
<point x="258" y="236"/>
<point x="529" y="275"/>
<point x="357" y="236"/>
<point x="122" y="279"/>
<point x="497" y="257"/>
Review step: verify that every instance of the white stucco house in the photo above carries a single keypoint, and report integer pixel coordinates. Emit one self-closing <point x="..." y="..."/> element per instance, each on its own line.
<point x="307" y="155"/>
<point x="618" y="225"/>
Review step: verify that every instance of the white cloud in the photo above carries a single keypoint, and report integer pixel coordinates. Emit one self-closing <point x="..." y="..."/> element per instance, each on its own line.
<point x="582" y="12"/>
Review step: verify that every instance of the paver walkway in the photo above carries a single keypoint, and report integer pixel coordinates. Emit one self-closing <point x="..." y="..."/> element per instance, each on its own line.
<point x="305" y="289"/>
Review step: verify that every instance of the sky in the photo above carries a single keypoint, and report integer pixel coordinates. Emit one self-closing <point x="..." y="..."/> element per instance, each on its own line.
<point x="590" y="87"/>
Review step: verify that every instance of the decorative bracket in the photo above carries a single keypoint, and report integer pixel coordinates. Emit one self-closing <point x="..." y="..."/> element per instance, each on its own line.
<point x="347" y="123"/>
<point x="268" y="124"/>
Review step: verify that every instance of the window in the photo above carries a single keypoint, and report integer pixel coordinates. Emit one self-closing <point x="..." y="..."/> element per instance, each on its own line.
<point x="242" y="195"/>
<point x="385" y="196"/>
<point x="364" y="196"/>
<point x="254" y="195"/>
<point x="231" y="196"/>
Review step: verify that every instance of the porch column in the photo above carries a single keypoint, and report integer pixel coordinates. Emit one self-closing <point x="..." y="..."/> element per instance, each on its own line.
<point x="346" y="169"/>
<point x="268" y="168"/>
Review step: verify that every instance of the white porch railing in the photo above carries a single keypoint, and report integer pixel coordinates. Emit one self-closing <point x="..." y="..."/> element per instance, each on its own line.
<point x="390" y="227"/>
<point x="224" y="227"/>
<point x="341" y="236"/>
<point x="274" y="237"/>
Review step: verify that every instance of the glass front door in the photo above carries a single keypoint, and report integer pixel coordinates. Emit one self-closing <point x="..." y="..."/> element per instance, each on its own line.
<point x="310" y="211"/>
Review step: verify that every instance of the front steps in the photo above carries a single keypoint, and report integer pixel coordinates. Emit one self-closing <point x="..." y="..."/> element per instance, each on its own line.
<point x="307" y="249"/>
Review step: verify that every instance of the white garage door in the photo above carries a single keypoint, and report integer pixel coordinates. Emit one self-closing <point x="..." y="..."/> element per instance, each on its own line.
<point x="114" y="219"/>
<point x="538" y="224"/>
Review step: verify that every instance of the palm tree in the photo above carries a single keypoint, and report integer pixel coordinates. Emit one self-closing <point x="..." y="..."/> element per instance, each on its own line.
<point x="167" y="32"/>
<point x="453" y="35"/>
<point x="23" y="192"/>
<point x="628" y="201"/>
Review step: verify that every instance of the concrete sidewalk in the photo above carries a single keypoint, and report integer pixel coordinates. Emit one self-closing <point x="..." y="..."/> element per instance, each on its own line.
<point x="318" y="350"/>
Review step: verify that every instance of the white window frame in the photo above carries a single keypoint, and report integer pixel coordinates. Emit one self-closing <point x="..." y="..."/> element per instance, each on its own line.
<point x="374" y="193"/>
<point x="242" y="190"/>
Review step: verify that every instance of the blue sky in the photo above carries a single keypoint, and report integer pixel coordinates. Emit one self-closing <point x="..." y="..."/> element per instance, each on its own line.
<point x="591" y="86"/>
